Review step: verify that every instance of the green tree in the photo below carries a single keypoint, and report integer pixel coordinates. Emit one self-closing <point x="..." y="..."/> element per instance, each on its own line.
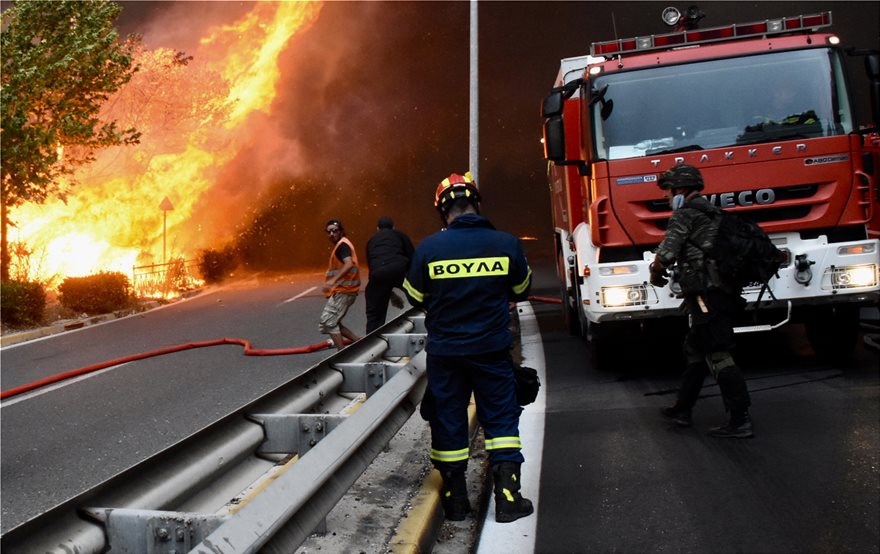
<point x="61" y="61"/>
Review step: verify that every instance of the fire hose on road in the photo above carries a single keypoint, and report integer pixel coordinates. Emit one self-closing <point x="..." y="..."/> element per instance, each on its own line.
<point x="318" y="423"/>
<point x="248" y="351"/>
<point x="261" y="478"/>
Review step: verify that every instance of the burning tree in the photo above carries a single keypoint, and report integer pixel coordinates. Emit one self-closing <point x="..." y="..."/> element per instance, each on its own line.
<point x="61" y="61"/>
<point x="210" y="142"/>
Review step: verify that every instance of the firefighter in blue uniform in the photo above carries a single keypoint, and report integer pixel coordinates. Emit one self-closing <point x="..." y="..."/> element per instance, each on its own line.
<point x="464" y="277"/>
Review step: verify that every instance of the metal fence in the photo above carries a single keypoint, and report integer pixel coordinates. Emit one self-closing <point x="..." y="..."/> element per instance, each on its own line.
<point x="162" y="280"/>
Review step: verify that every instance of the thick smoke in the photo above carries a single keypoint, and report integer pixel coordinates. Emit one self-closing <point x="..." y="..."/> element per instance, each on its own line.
<point x="372" y="110"/>
<point x="370" y="113"/>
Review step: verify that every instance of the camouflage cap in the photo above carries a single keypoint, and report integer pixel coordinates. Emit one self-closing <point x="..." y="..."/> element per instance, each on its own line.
<point x="681" y="176"/>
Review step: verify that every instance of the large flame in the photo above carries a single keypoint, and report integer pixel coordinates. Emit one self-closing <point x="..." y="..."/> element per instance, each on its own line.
<point x="194" y="119"/>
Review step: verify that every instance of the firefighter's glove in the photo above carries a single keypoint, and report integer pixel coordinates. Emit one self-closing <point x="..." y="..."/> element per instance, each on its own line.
<point x="658" y="274"/>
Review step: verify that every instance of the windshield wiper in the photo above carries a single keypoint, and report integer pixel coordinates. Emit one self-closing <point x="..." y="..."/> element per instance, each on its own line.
<point x="688" y="148"/>
<point x="770" y="138"/>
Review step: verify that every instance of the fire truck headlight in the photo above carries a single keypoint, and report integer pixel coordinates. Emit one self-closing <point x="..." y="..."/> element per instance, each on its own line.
<point x="634" y="295"/>
<point x="854" y="276"/>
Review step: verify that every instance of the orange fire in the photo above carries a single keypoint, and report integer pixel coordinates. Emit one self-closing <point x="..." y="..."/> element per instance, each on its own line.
<point x="193" y="115"/>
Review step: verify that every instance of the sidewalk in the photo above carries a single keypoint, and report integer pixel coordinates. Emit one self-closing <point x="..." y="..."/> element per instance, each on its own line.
<point x="65" y="325"/>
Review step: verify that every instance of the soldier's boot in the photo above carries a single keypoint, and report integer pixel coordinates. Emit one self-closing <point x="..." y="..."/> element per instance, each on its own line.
<point x="682" y="417"/>
<point x="737" y="401"/>
<point x="688" y="392"/>
<point x="509" y="503"/>
<point x="454" y="495"/>
<point x="738" y="427"/>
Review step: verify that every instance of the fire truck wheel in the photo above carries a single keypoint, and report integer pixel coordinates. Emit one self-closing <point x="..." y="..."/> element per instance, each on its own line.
<point x="833" y="331"/>
<point x="572" y="318"/>
<point x="570" y="305"/>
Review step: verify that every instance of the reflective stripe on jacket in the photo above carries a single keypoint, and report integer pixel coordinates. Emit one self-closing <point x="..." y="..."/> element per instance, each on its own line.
<point x="350" y="282"/>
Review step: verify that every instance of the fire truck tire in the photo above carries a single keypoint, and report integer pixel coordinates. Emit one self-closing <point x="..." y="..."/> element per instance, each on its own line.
<point x="569" y="300"/>
<point x="570" y="313"/>
<point x="833" y="331"/>
<point x="572" y="321"/>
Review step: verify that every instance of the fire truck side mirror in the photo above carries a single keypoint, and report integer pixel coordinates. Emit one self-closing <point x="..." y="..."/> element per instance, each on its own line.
<point x="554" y="139"/>
<point x="872" y="68"/>
<point x="552" y="104"/>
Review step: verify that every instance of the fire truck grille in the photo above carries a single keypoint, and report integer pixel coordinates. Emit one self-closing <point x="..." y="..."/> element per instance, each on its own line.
<point x="761" y="216"/>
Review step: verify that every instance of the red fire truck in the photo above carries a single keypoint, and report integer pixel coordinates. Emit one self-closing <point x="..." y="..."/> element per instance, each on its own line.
<point x="763" y="110"/>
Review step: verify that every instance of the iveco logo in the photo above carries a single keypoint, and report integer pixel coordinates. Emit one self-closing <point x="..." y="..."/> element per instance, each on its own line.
<point x="743" y="198"/>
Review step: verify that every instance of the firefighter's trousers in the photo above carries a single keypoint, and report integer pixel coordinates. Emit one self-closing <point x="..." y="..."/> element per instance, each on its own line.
<point x="451" y="380"/>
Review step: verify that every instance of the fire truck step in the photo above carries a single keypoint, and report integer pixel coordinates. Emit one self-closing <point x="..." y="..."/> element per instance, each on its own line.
<point x="752" y="328"/>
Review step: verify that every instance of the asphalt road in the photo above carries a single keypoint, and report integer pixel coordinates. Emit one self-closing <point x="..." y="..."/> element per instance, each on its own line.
<point x="616" y="477"/>
<point x="61" y="440"/>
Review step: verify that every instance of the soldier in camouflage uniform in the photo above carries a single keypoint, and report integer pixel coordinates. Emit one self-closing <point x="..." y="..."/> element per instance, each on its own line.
<point x="712" y="303"/>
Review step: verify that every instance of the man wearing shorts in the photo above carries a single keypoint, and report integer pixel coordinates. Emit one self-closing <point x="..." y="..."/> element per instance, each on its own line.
<point x="341" y="285"/>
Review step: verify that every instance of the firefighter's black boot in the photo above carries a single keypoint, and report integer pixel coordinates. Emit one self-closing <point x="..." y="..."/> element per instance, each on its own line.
<point x="509" y="503"/>
<point x="454" y="496"/>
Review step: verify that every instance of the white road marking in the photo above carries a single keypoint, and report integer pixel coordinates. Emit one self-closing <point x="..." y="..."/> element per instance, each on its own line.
<point x="518" y="537"/>
<point x="300" y="295"/>
<point x="54" y="386"/>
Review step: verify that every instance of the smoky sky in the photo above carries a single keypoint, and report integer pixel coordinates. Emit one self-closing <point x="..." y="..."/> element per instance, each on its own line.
<point x="372" y="107"/>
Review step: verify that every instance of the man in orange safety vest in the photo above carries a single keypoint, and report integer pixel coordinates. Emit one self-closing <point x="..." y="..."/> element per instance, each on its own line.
<point x="341" y="285"/>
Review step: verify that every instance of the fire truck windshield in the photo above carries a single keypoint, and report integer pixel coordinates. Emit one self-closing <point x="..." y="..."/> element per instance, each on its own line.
<point x="778" y="96"/>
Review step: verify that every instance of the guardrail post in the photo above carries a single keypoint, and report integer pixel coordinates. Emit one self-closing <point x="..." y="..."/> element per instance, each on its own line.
<point x="404" y="345"/>
<point x="418" y="322"/>
<point x="366" y="377"/>
<point x="295" y="433"/>
<point x="153" y="532"/>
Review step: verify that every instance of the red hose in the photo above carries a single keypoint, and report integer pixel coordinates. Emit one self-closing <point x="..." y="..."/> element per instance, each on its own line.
<point x="248" y="351"/>
<point x="546" y="299"/>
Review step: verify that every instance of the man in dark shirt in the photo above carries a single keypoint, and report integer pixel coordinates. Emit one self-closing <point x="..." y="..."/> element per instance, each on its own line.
<point x="388" y="255"/>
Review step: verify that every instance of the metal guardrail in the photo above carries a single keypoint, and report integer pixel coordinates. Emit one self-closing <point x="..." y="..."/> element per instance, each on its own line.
<point x="162" y="279"/>
<point x="262" y="478"/>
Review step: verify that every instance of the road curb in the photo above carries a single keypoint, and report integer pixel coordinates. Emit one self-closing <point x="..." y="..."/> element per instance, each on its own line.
<point x="74" y="324"/>
<point x="62" y="327"/>
<point x="418" y="531"/>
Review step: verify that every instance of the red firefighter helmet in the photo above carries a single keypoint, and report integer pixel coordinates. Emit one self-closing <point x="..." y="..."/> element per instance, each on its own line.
<point x="456" y="186"/>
